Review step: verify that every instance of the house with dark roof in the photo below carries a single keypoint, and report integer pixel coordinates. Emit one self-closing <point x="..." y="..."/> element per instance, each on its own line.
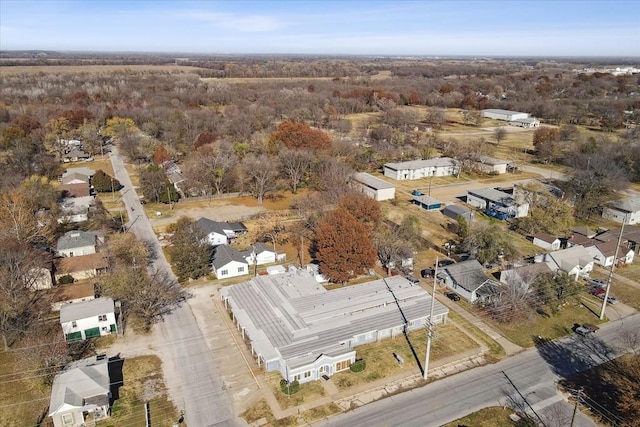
<point x="77" y="243"/>
<point x="228" y="262"/>
<point x="604" y="253"/>
<point x="468" y="278"/>
<point x="220" y="233"/>
<point x="76" y="155"/>
<point x="297" y="327"/>
<point x="87" y="319"/>
<point x="546" y="241"/>
<point x="81" y="394"/>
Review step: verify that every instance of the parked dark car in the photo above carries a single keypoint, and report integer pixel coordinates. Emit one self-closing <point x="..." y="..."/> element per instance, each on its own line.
<point x="445" y="262"/>
<point x="597" y="291"/>
<point x="452" y="296"/>
<point x="427" y="272"/>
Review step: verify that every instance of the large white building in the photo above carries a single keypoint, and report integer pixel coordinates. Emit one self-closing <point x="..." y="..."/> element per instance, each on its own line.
<point x="373" y="187"/>
<point x="295" y="326"/>
<point x="417" y="169"/>
<point x="506" y="115"/>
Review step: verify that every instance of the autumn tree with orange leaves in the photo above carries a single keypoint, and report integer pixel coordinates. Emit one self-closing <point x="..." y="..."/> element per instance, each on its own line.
<point x="344" y="247"/>
<point x="298" y="136"/>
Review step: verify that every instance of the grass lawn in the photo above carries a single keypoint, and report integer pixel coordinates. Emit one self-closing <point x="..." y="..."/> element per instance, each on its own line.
<point x="261" y="410"/>
<point x="558" y="325"/>
<point x="142" y="382"/>
<point x="24" y="401"/>
<point x="494" y="416"/>
<point x="495" y="349"/>
<point x="308" y="391"/>
<point x="381" y="363"/>
<point x="631" y="271"/>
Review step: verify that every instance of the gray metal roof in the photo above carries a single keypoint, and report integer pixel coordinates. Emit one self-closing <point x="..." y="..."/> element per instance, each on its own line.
<point x="567" y="259"/>
<point x="494" y="195"/>
<point x="427" y="200"/>
<point x="292" y="316"/>
<point x="76" y="239"/>
<point x="468" y="274"/>
<point x="419" y="164"/>
<point x="372" y="181"/>
<point x="82" y="170"/>
<point x="491" y="161"/>
<point x="501" y="111"/>
<point x="224" y="254"/>
<point x="628" y="205"/>
<point x="82" y="310"/>
<point x="81" y="381"/>
<point x="456" y="209"/>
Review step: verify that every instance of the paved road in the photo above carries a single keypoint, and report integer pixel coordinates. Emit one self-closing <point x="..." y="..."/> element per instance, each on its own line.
<point x="534" y="372"/>
<point x="189" y="368"/>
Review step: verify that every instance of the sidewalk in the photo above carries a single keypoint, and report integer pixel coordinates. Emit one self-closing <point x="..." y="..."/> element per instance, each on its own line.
<point x="509" y="347"/>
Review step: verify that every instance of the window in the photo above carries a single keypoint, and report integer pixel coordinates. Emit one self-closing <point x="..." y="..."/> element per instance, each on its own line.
<point x="102" y="318"/>
<point x="224" y="272"/>
<point x="241" y="269"/>
<point x="67" y="419"/>
<point x="307" y="374"/>
<point x="296" y="378"/>
<point x="341" y="366"/>
<point x="74" y="324"/>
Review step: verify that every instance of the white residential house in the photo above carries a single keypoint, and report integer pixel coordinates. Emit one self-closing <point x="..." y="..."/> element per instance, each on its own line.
<point x="418" y="169"/>
<point x="81" y="394"/>
<point x="625" y="210"/>
<point x="524" y="275"/>
<point x="297" y="327"/>
<point x="373" y="187"/>
<point x="228" y="262"/>
<point x="76" y="209"/>
<point x="220" y="233"/>
<point x="604" y="253"/>
<point x="77" y="243"/>
<point x="260" y="253"/>
<point x="576" y="261"/>
<point x="546" y="241"/>
<point x="88" y="319"/>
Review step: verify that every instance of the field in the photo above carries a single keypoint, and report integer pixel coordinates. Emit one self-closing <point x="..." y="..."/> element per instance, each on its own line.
<point x="97" y="69"/>
<point x="487" y="417"/>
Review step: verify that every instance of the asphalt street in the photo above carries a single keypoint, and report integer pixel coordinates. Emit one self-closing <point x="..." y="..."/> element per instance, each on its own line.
<point x="189" y="369"/>
<point x="534" y="372"/>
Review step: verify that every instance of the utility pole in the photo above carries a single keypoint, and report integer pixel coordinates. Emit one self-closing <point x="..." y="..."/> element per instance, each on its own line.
<point x="431" y="324"/>
<point x="575" y="408"/>
<point x="613" y="266"/>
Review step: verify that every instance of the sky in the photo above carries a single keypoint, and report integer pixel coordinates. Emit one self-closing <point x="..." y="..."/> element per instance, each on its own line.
<point x="339" y="27"/>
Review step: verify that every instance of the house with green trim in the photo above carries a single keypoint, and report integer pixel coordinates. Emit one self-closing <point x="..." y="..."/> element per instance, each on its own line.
<point x="88" y="319"/>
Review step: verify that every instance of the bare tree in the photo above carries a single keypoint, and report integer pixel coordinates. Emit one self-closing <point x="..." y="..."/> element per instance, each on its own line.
<point x="22" y="269"/>
<point x="260" y="173"/>
<point x="210" y="166"/>
<point x="295" y="166"/>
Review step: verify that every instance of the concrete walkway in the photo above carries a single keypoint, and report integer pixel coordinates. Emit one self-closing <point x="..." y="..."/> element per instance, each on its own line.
<point x="509" y="347"/>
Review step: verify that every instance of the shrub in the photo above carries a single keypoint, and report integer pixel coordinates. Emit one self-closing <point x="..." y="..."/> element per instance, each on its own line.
<point x="358" y="366"/>
<point x="66" y="279"/>
<point x="103" y="183"/>
<point x="293" y="387"/>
